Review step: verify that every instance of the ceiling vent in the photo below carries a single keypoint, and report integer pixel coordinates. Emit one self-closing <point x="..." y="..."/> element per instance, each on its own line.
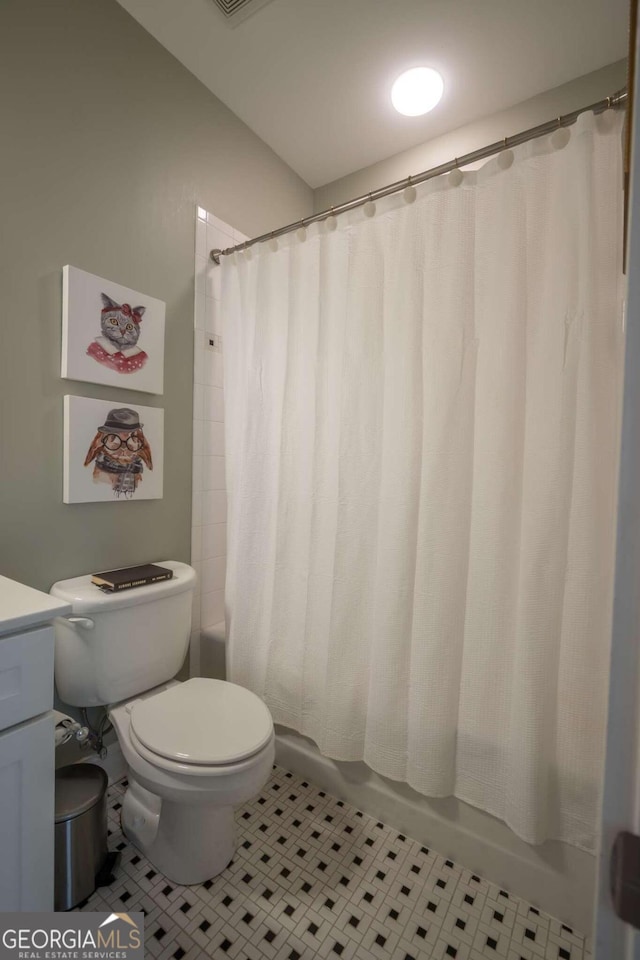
<point x="235" y="11"/>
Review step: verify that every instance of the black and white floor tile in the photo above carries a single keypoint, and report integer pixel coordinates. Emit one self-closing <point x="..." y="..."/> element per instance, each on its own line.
<point x="314" y="877"/>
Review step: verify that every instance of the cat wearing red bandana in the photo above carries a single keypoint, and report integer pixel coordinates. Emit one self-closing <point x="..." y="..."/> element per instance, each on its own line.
<point x="118" y="348"/>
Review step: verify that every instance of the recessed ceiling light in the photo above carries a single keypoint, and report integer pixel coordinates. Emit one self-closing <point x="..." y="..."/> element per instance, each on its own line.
<point x="417" y="91"/>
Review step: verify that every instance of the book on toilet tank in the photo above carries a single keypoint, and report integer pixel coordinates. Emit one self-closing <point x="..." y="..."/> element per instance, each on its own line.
<point x="128" y="577"/>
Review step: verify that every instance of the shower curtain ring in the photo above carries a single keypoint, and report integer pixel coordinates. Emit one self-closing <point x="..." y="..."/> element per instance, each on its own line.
<point x="561" y="136"/>
<point x="369" y="208"/>
<point x="505" y="157"/>
<point x="456" y="176"/>
<point x="409" y="193"/>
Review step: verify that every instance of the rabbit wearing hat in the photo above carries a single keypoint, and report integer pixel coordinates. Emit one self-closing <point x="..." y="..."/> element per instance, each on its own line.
<point x="121" y="451"/>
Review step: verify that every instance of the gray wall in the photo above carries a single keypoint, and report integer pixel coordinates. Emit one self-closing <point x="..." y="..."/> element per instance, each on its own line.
<point x="570" y="96"/>
<point x="106" y="145"/>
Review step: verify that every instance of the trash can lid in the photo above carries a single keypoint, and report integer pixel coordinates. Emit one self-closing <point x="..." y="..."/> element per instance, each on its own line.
<point x="79" y="787"/>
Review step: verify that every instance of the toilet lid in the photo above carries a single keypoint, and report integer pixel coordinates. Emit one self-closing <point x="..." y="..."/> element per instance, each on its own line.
<point x="203" y="721"/>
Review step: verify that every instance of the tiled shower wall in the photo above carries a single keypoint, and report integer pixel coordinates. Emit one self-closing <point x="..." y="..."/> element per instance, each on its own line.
<point x="209" y="512"/>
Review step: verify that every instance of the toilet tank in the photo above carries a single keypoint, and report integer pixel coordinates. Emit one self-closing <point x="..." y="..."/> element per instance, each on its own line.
<point x="123" y="643"/>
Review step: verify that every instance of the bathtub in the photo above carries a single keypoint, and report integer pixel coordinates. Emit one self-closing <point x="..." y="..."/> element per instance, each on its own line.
<point x="554" y="877"/>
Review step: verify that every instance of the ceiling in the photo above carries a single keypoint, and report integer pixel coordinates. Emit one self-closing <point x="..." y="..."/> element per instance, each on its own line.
<point x="312" y="77"/>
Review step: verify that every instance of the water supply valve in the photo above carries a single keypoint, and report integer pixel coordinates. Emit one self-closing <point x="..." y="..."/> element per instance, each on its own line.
<point x="68" y="729"/>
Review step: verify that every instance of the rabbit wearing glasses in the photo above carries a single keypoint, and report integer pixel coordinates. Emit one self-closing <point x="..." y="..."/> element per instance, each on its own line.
<point x="121" y="452"/>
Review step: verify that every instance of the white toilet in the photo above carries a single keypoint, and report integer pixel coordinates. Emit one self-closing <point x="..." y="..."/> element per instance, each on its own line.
<point x="194" y="749"/>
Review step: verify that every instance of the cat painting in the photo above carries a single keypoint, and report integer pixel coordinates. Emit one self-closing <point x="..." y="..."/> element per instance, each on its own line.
<point x="117" y="347"/>
<point x="106" y="338"/>
<point x="120" y="451"/>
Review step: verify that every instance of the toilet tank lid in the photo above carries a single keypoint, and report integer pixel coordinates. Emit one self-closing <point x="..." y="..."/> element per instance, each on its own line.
<point x="85" y="597"/>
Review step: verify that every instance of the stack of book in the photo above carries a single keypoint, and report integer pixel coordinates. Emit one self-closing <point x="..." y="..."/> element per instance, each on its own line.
<point x="113" y="580"/>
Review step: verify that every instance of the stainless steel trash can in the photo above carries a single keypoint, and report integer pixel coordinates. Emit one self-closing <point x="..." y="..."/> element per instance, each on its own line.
<point x="80" y="832"/>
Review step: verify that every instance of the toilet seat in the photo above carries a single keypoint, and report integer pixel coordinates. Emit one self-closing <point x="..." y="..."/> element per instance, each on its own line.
<point x="201" y="726"/>
<point x="196" y="770"/>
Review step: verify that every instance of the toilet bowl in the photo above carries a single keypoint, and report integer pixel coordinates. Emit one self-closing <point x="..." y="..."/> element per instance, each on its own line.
<point x="195" y="750"/>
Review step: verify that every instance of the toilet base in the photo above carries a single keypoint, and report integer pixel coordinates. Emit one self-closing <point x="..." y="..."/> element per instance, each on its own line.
<point x="186" y="842"/>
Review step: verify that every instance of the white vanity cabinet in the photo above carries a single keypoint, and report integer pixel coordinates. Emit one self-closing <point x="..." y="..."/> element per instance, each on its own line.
<point x="27" y="749"/>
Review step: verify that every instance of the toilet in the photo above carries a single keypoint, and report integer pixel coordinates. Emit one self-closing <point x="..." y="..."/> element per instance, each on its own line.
<point x="195" y="750"/>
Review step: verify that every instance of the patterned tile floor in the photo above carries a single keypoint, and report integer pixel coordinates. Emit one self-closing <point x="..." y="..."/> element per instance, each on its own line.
<point x="314" y="877"/>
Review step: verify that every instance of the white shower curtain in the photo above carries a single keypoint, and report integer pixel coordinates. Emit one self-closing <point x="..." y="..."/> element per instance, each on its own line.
<point x="422" y="437"/>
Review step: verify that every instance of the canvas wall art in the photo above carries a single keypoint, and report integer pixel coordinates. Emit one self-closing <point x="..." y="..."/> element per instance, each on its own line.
<point x="112" y="453"/>
<point x="111" y="334"/>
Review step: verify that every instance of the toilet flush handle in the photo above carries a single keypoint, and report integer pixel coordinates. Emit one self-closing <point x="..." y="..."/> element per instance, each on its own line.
<point x="85" y="622"/>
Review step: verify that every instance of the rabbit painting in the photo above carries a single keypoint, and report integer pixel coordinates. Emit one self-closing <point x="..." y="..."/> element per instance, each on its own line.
<point x="120" y="452"/>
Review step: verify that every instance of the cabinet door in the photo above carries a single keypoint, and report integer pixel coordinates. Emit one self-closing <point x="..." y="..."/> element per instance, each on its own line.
<point x="26" y="675"/>
<point x="27" y="782"/>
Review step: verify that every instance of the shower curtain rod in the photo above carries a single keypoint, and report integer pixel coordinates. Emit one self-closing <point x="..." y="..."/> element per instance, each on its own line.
<point x="617" y="100"/>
